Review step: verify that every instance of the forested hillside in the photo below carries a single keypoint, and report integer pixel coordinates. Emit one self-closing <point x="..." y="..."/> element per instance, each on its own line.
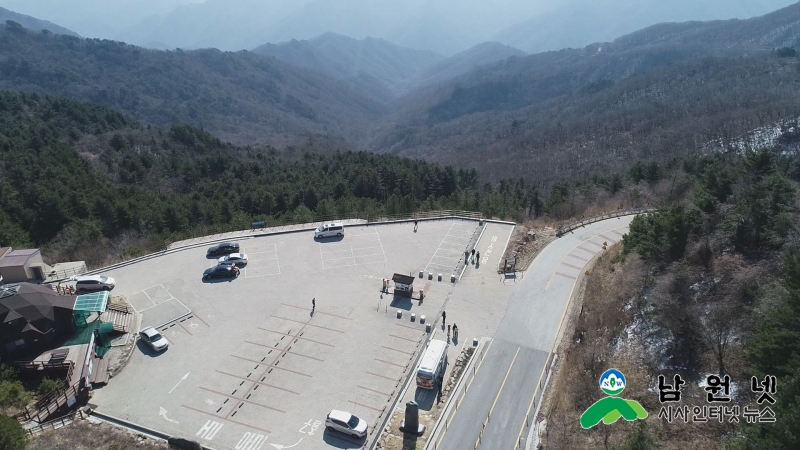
<point x="240" y="97"/>
<point x="73" y="175"/>
<point x="659" y="93"/>
<point x="708" y="285"/>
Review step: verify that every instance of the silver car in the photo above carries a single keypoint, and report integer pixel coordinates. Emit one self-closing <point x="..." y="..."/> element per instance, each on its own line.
<point x="93" y="283"/>
<point x="346" y="423"/>
<point x="154" y="339"/>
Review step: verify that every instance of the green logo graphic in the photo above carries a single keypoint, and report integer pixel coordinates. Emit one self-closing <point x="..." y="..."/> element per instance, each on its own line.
<point x="610" y="409"/>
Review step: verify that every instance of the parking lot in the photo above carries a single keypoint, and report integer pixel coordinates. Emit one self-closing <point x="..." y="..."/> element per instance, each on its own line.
<point x="251" y="365"/>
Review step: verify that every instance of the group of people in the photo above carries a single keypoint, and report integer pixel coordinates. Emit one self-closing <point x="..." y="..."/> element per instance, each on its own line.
<point x="455" y="327"/>
<point x="476" y="256"/>
<point x="65" y="290"/>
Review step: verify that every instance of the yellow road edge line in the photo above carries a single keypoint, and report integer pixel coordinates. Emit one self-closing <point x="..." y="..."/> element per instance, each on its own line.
<point x="504" y="381"/>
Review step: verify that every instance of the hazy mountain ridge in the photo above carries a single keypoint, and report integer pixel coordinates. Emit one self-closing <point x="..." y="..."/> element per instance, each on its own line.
<point x="241" y="97"/>
<point x="377" y="65"/>
<point x="578" y="23"/>
<point x="350" y="59"/>
<point x="33" y="23"/>
<point x="580" y="110"/>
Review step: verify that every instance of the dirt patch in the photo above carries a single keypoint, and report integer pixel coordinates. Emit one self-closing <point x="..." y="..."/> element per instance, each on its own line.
<point x="394" y="439"/>
<point x="597" y="336"/>
<point x="526" y="242"/>
<point x="86" y="435"/>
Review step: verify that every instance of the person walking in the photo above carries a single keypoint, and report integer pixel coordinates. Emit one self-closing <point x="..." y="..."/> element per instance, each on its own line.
<point x="455" y="332"/>
<point x="444" y="319"/>
<point x="415" y="224"/>
<point x="314" y="303"/>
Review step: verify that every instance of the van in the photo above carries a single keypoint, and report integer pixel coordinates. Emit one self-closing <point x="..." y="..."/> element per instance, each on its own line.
<point x="328" y="230"/>
<point x="433" y="365"/>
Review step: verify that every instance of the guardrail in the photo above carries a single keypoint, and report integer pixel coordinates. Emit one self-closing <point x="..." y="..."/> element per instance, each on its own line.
<point x="429" y="215"/>
<point x="57" y="275"/>
<point x="562" y="230"/>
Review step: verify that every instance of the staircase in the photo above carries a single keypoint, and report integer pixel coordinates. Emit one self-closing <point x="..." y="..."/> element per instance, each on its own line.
<point x="57" y="403"/>
<point x="120" y="315"/>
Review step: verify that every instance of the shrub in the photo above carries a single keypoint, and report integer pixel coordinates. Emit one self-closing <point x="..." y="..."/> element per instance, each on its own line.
<point x="13" y="394"/>
<point x="12" y="435"/>
<point x="47" y="385"/>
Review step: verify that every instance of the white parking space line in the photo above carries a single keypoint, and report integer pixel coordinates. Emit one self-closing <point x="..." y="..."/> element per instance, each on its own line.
<point x="267" y="263"/>
<point x="451" y="249"/>
<point x="360" y="249"/>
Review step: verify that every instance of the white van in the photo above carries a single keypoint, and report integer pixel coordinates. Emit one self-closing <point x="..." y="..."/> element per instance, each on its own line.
<point x="328" y="230"/>
<point x="433" y="365"/>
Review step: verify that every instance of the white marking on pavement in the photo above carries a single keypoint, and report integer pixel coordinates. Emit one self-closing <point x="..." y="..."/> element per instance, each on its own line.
<point x="209" y="430"/>
<point x="281" y="447"/>
<point x="163" y="413"/>
<point x="179" y="382"/>
<point x="312" y="424"/>
<point x="251" y="441"/>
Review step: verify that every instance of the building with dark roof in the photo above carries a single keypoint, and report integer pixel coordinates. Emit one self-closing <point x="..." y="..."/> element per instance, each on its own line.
<point x="32" y="316"/>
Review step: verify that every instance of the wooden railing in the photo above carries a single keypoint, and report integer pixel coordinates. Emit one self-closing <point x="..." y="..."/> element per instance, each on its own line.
<point x="583" y="222"/>
<point x="56" y="402"/>
<point x="53" y="424"/>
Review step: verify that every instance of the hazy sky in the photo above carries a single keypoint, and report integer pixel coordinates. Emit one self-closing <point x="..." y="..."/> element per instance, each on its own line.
<point x="445" y="26"/>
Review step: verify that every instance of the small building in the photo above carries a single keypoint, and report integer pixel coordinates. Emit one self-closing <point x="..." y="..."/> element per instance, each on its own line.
<point x="22" y="265"/>
<point x="32" y="317"/>
<point x="403" y="285"/>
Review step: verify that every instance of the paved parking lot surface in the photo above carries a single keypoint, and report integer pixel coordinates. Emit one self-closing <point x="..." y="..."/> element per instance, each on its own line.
<point x="251" y="365"/>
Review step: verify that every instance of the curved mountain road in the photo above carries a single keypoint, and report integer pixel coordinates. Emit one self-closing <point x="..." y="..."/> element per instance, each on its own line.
<point x="506" y="383"/>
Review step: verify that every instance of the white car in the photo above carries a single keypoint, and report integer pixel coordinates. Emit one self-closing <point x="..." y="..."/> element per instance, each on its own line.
<point x="93" y="283"/>
<point x="237" y="259"/>
<point x="346" y="423"/>
<point x="154" y="339"/>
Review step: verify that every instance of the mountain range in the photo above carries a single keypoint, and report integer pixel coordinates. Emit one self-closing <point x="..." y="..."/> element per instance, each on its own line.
<point x="663" y="91"/>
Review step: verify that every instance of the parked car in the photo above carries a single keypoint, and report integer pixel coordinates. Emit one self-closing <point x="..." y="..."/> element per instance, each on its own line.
<point x="154" y="339"/>
<point x="237" y="259"/>
<point x="93" y="283"/>
<point x="223" y="248"/>
<point x="346" y="423"/>
<point x="221" y="271"/>
<point x="328" y="230"/>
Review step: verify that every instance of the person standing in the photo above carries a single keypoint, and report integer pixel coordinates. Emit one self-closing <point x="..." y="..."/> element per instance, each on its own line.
<point x="314" y="303"/>
<point x="415" y="224"/>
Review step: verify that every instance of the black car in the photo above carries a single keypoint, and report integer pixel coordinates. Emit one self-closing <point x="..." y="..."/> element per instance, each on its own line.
<point x="223" y="248"/>
<point x="221" y="271"/>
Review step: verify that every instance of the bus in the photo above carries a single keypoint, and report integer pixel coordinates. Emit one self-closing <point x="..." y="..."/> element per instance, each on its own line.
<point x="433" y="364"/>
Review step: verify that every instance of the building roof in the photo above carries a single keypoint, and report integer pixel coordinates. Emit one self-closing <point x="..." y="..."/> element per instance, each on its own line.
<point x="17" y="258"/>
<point x="403" y="279"/>
<point x="94" y="302"/>
<point x="33" y="303"/>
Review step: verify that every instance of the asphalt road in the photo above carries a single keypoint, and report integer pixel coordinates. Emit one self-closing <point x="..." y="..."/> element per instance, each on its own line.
<point x="507" y="381"/>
